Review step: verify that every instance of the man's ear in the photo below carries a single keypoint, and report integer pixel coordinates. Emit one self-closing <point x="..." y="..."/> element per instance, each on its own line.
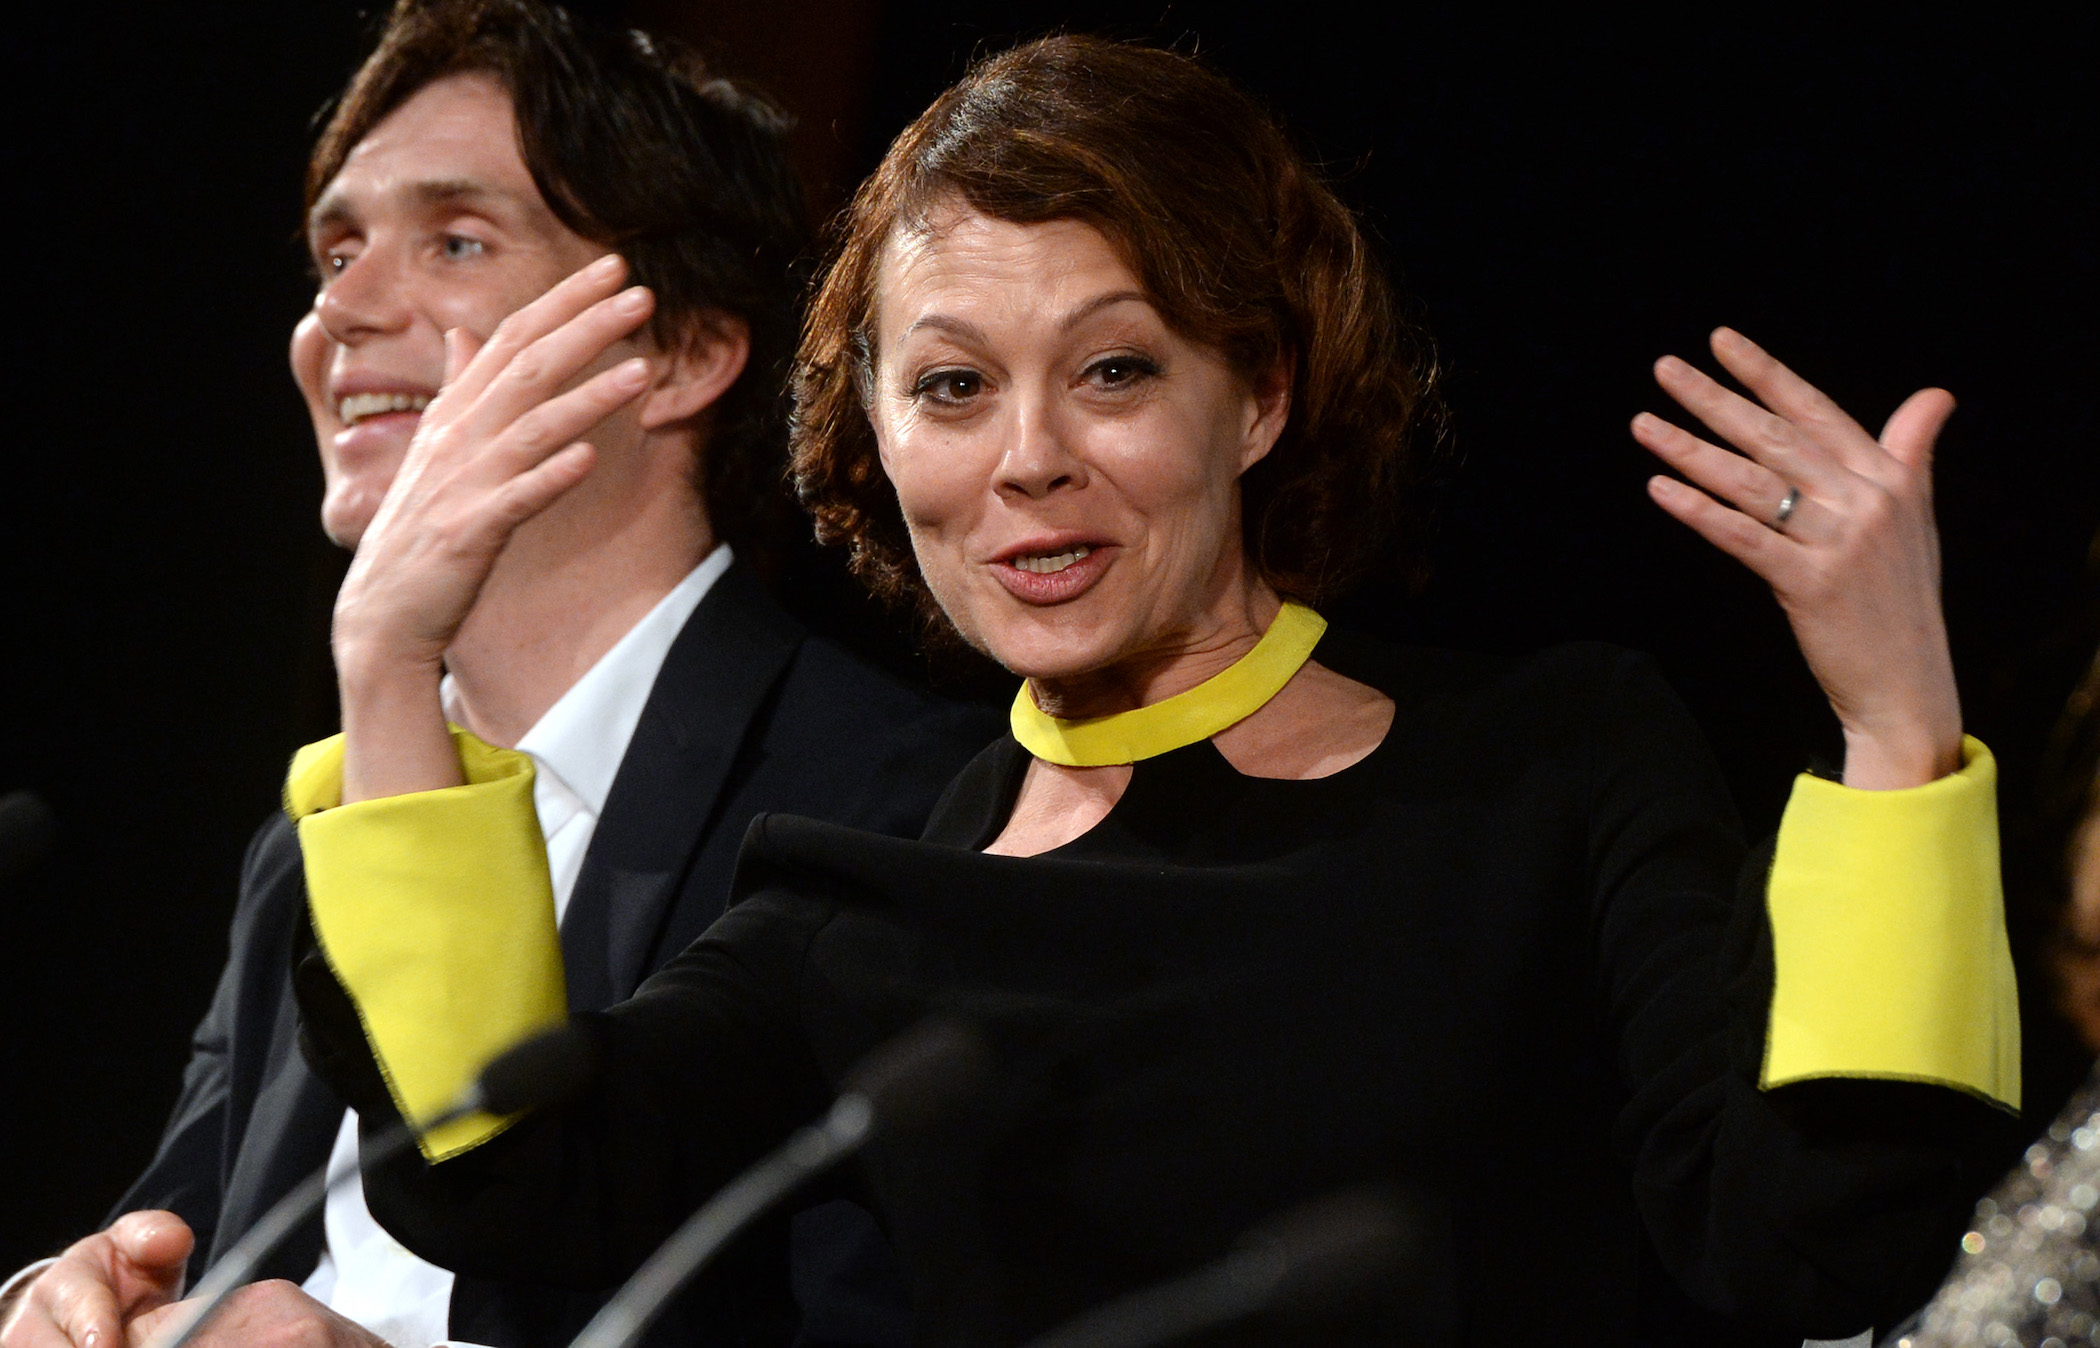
<point x="693" y="375"/>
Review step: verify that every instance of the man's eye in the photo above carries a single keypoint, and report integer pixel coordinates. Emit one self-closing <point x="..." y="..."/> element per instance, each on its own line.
<point x="949" y="386"/>
<point x="327" y="266"/>
<point x="459" y="247"/>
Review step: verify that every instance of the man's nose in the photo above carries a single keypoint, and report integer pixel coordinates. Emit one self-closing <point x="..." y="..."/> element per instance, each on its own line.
<point x="364" y="299"/>
<point x="1039" y="457"/>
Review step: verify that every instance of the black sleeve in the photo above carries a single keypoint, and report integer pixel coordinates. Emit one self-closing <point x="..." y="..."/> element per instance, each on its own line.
<point x="1831" y="1204"/>
<point x="701" y="1072"/>
<point x="186" y="1176"/>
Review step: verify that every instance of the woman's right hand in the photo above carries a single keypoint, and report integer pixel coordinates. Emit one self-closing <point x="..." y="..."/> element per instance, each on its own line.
<point x="496" y="447"/>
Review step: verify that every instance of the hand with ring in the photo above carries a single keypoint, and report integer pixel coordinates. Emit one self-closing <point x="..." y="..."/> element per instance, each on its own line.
<point x="1840" y="525"/>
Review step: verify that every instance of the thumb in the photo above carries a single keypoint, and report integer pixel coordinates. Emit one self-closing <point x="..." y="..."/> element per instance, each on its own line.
<point x="153" y="1248"/>
<point x="1913" y="428"/>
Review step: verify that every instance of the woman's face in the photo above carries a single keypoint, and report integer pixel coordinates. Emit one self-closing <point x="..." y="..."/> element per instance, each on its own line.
<point x="1067" y="464"/>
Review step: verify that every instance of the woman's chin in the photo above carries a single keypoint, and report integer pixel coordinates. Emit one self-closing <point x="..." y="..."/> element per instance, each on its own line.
<point x="1040" y="651"/>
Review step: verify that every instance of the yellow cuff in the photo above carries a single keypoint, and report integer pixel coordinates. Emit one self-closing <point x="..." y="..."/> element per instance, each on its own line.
<point x="1888" y="936"/>
<point x="435" y="911"/>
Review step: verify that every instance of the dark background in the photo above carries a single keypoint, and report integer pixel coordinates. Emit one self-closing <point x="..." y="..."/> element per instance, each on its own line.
<point x="1884" y="206"/>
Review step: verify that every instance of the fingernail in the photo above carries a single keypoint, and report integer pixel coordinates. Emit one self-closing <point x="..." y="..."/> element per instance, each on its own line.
<point x="632" y="300"/>
<point x="633" y="372"/>
<point x="606" y="266"/>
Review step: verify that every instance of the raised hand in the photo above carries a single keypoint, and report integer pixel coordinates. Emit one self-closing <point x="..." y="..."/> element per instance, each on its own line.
<point x="497" y="446"/>
<point x="103" y="1284"/>
<point x="1840" y="525"/>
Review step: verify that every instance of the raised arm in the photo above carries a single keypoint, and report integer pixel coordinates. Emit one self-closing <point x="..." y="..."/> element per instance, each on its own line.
<point x="495" y="447"/>
<point x="1840" y="525"/>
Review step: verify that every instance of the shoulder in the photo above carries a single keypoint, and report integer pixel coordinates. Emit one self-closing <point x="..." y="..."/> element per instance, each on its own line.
<point x="832" y="694"/>
<point x="1573" y="682"/>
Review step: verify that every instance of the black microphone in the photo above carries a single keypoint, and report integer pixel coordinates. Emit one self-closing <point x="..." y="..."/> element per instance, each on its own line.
<point x="1313" y="1258"/>
<point x="909" y="1083"/>
<point x="544" y="1070"/>
<point x="27" y="828"/>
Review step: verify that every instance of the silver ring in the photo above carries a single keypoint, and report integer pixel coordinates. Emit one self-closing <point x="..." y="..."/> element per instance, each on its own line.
<point x="1786" y="507"/>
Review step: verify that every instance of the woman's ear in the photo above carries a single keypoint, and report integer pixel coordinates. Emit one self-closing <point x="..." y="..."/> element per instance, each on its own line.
<point x="698" y="371"/>
<point x="1268" y="408"/>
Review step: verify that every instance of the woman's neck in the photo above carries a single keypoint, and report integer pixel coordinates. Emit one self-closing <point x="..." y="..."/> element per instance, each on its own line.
<point x="1175" y="663"/>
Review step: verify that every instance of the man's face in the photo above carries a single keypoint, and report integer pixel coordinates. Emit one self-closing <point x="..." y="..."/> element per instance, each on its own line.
<point x="433" y="223"/>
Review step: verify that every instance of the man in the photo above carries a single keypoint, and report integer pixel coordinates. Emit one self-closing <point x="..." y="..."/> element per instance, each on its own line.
<point x="486" y="150"/>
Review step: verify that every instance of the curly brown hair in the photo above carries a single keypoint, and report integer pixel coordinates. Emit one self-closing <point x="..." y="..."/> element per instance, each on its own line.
<point x="1237" y="239"/>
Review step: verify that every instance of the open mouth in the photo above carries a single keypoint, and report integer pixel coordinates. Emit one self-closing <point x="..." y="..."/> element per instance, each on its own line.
<point x="364" y="406"/>
<point x="1049" y="564"/>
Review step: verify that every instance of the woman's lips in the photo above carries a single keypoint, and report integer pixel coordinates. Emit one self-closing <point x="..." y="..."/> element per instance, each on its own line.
<point x="1054" y="587"/>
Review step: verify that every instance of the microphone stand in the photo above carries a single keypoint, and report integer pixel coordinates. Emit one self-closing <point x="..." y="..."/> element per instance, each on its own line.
<point x="537" y="1072"/>
<point x="1326" y="1252"/>
<point x="908" y="1082"/>
<point x="809" y="1152"/>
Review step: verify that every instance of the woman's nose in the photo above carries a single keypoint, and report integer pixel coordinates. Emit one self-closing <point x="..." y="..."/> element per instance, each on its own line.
<point x="1040" y="455"/>
<point x="363" y="299"/>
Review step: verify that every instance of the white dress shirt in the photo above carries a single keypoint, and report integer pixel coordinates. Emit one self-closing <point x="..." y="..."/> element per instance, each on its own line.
<point x="576" y="748"/>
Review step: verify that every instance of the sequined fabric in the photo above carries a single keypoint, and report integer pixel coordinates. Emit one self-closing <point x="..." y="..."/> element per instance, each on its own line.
<point x="2029" y="1272"/>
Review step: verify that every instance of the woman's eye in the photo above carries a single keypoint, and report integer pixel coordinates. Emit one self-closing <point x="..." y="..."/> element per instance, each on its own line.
<point x="1118" y="371"/>
<point x="949" y="386"/>
<point x="458" y="247"/>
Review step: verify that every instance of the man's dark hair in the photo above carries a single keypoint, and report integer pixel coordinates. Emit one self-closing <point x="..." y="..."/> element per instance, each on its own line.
<point x="634" y="145"/>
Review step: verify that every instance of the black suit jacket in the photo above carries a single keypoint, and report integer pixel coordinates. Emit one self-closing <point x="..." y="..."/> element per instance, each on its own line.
<point x="749" y="714"/>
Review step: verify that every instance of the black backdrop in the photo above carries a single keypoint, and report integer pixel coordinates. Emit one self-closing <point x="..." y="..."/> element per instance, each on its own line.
<point x="1882" y="205"/>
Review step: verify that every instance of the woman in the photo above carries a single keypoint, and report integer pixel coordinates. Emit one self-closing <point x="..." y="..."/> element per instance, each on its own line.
<point x="1104" y="378"/>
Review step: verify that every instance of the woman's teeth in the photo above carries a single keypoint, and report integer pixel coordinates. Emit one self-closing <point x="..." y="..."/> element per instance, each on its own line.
<point x="358" y="406"/>
<point x="1048" y="564"/>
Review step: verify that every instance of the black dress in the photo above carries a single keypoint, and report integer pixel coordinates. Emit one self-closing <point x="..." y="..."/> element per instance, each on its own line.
<point x="1498" y="963"/>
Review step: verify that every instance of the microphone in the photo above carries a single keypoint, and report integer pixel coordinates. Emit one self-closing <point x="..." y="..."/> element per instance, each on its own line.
<point x="546" y="1069"/>
<point x="27" y="828"/>
<point x="906" y="1084"/>
<point x="1316" y="1256"/>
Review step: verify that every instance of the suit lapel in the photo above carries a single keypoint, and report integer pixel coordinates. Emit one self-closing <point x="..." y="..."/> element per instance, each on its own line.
<point x="671" y="784"/>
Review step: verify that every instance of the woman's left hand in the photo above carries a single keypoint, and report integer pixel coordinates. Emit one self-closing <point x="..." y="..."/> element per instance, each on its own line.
<point x="1840" y="525"/>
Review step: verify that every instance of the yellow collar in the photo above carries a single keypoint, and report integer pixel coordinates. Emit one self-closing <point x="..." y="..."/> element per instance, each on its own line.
<point x="1224" y="699"/>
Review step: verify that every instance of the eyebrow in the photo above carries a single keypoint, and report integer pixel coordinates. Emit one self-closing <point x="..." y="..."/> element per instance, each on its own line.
<point x="971" y="332"/>
<point x="1097" y="304"/>
<point x="332" y="209"/>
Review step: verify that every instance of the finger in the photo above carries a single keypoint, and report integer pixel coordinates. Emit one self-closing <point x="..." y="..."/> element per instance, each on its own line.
<point x="83" y="1308"/>
<point x="532" y="491"/>
<point x="1769" y="439"/>
<point x="535" y="373"/>
<point x="1771" y="555"/>
<point x="1748" y="485"/>
<point x="561" y="420"/>
<point x="1914" y="428"/>
<point x="460" y="349"/>
<point x="152" y="1238"/>
<point x="1793" y="398"/>
<point x="567" y="298"/>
